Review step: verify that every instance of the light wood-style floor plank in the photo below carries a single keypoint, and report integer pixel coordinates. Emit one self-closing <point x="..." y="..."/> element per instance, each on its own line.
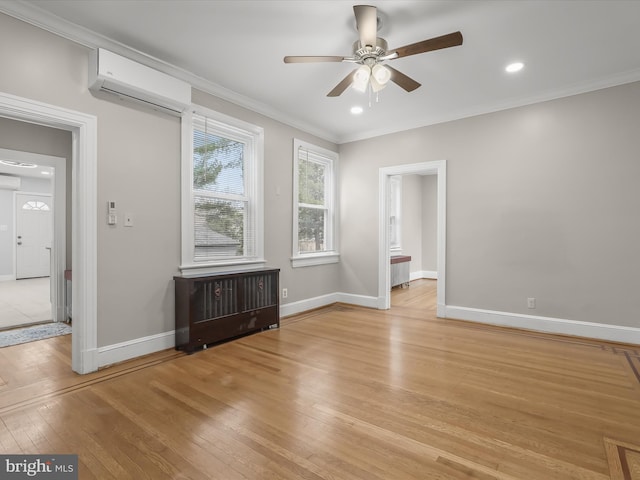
<point x="342" y="393"/>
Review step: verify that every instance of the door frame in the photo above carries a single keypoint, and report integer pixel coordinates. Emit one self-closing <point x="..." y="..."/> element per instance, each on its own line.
<point x="59" y="251"/>
<point x="83" y="128"/>
<point x="439" y="168"/>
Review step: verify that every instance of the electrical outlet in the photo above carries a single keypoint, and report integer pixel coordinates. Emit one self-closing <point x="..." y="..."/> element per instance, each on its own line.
<point x="531" y="302"/>
<point x="285" y="293"/>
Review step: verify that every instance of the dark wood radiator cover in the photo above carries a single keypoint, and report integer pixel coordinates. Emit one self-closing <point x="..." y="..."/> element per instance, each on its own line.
<point x="218" y="307"/>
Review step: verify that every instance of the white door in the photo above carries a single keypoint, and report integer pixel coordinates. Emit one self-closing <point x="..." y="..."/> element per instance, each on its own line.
<point x="34" y="225"/>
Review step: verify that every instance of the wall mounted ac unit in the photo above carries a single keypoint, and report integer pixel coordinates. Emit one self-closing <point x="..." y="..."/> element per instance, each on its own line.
<point x="8" y="182"/>
<point x="112" y="73"/>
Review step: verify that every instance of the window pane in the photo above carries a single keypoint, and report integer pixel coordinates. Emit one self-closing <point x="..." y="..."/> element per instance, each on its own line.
<point x="311" y="229"/>
<point x="218" y="163"/>
<point x="36" y="205"/>
<point x="219" y="227"/>
<point x="311" y="180"/>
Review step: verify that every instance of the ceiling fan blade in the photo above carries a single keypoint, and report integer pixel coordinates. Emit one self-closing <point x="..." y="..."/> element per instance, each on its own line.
<point x="437" y="43"/>
<point x="311" y="59"/>
<point x="367" y="24"/>
<point x="408" y="83"/>
<point x="342" y="86"/>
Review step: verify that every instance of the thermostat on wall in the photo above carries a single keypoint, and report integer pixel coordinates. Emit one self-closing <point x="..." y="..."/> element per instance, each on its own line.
<point x="112" y="217"/>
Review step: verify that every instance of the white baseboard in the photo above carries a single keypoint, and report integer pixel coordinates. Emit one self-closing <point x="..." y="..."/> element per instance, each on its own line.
<point x="432" y="274"/>
<point x="359" y="300"/>
<point x="293" y="308"/>
<point x="423" y="274"/>
<point x="7" y="278"/>
<point x="138" y="347"/>
<point x="600" y="331"/>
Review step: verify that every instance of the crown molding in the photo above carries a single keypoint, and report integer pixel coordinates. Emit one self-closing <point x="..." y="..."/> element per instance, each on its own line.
<point x="78" y="34"/>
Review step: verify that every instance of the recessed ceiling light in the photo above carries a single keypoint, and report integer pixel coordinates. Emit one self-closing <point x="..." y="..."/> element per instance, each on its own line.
<point x="514" y="67"/>
<point x="44" y="172"/>
<point x="356" y="110"/>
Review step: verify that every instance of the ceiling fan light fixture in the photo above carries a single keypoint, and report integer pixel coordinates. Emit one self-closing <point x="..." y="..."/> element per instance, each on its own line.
<point x="380" y="74"/>
<point x="375" y="85"/>
<point x="361" y="78"/>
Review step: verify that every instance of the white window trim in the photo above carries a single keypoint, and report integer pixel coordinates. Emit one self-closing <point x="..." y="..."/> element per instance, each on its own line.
<point x="331" y="255"/>
<point x="255" y="186"/>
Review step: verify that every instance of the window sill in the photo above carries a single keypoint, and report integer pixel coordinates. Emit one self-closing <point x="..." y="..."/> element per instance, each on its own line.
<point x="312" y="259"/>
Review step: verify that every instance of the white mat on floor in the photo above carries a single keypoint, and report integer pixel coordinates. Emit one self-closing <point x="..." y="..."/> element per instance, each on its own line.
<point x="30" y="334"/>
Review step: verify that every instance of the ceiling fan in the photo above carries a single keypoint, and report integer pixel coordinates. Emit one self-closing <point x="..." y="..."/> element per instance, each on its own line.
<point x="371" y="51"/>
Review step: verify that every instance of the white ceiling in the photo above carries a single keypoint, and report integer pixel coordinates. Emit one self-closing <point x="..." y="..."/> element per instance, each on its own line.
<point x="235" y="49"/>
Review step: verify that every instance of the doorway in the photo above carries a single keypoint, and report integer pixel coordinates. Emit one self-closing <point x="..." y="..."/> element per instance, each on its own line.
<point x="36" y="197"/>
<point x="438" y="168"/>
<point x="84" y="355"/>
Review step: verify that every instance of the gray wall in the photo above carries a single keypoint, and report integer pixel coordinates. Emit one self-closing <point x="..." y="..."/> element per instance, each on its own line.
<point x="542" y="201"/>
<point x="28" y="137"/>
<point x="139" y="168"/>
<point x="419" y="221"/>
<point x="411" y="215"/>
<point x="7" y="235"/>
<point x="430" y="223"/>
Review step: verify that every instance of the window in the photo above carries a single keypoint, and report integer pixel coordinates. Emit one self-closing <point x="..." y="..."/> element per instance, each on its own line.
<point x="222" y="214"/>
<point x="314" y="205"/>
<point x="36" y="205"/>
<point x="395" y="213"/>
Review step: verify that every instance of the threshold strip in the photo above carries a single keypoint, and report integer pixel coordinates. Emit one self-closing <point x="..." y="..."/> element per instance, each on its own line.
<point x="82" y="385"/>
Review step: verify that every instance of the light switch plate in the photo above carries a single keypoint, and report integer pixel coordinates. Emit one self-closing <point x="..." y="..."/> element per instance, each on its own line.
<point x="128" y="220"/>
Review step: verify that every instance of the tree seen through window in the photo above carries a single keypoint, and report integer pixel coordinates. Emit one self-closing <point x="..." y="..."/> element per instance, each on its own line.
<point x="220" y="205"/>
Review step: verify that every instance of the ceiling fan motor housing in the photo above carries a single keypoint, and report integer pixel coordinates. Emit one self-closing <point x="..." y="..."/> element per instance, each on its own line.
<point x="368" y="55"/>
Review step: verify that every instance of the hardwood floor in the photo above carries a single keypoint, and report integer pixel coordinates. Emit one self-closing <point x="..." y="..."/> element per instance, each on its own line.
<point x="339" y="393"/>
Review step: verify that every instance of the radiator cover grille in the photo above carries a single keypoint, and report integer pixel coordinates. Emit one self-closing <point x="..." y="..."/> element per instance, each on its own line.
<point x="215" y="298"/>
<point x="215" y="308"/>
<point x="259" y="291"/>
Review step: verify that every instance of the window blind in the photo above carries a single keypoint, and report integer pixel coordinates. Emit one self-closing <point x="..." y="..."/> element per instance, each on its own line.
<point x="221" y="200"/>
